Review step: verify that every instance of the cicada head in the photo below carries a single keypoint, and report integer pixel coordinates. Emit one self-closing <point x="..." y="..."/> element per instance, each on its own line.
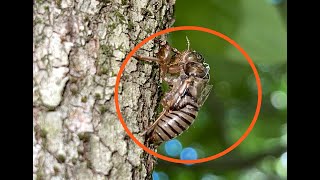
<point x="193" y="56"/>
<point x="195" y="65"/>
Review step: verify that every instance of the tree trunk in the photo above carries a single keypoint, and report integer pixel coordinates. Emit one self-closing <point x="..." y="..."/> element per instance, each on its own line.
<point x="78" y="47"/>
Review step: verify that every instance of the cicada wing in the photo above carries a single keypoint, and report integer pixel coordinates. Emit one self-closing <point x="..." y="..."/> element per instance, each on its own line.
<point x="204" y="94"/>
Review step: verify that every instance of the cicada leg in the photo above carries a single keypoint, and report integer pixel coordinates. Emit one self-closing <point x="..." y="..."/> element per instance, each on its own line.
<point x="164" y="60"/>
<point x="146" y="58"/>
<point x="163" y="66"/>
<point x="149" y="129"/>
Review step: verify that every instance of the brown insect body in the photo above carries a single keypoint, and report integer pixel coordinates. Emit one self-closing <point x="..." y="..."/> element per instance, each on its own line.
<point x="188" y="76"/>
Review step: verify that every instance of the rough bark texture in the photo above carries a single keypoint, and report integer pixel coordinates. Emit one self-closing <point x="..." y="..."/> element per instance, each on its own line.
<point x="77" y="51"/>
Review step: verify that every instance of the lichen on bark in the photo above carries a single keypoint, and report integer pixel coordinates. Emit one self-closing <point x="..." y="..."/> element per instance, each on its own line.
<point x="78" y="47"/>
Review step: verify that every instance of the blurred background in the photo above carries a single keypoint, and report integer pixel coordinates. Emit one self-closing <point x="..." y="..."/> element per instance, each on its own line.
<point x="259" y="27"/>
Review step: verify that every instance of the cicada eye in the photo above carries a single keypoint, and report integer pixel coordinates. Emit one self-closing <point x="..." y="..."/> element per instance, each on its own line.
<point x="199" y="57"/>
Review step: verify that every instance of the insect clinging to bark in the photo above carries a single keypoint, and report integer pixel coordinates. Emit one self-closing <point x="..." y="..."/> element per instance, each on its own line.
<point x="188" y="77"/>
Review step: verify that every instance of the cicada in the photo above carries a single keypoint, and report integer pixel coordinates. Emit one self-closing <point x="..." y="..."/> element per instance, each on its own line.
<point x="187" y="75"/>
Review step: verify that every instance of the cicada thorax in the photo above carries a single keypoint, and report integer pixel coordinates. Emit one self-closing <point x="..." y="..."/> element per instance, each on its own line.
<point x="195" y="69"/>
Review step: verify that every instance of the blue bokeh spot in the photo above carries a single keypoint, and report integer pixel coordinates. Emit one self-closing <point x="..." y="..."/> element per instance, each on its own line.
<point x="275" y="2"/>
<point x="173" y="148"/>
<point x="188" y="154"/>
<point x="155" y="176"/>
<point x="163" y="176"/>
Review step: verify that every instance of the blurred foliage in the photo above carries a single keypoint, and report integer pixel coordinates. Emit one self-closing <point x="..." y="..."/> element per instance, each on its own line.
<point x="259" y="27"/>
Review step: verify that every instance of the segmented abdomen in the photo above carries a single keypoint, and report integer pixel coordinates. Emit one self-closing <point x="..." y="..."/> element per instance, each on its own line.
<point x="173" y="123"/>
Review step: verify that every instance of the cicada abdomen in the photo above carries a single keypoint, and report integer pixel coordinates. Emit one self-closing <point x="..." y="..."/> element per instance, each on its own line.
<point x="173" y="122"/>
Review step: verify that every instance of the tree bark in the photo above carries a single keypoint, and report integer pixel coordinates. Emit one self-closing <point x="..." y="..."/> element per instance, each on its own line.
<point x="78" y="47"/>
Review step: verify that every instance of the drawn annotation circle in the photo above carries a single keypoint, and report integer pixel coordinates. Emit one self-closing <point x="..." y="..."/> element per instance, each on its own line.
<point x="220" y="154"/>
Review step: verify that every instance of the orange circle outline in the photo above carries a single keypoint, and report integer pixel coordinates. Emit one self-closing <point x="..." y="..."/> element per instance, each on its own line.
<point x="196" y="28"/>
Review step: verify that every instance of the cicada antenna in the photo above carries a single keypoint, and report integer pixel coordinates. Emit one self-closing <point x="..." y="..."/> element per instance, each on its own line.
<point x="188" y="43"/>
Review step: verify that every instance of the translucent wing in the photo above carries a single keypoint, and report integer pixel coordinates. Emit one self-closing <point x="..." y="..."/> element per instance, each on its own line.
<point x="204" y="94"/>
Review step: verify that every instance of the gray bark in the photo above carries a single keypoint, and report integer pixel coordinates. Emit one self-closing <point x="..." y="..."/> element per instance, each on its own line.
<point x="78" y="47"/>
